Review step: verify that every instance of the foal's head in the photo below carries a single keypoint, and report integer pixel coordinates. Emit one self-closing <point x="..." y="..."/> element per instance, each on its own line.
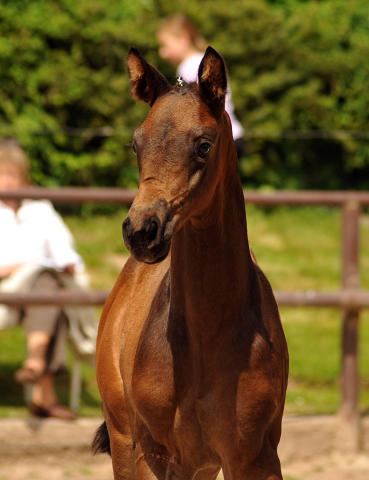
<point x="182" y="150"/>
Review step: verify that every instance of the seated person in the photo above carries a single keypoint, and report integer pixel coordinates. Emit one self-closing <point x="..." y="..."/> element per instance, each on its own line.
<point x="37" y="254"/>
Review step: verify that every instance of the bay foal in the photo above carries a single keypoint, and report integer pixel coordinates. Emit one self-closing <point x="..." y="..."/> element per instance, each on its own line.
<point x="192" y="362"/>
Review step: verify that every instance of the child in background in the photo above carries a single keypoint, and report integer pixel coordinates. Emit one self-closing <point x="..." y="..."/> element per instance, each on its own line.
<point x="183" y="46"/>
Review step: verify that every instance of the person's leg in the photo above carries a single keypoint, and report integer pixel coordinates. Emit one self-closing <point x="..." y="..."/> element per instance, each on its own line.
<point x="40" y="325"/>
<point x="54" y="359"/>
<point x="43" y="393"/>
<point x="37" y="345"/>
<point x="45" y="402"/>
<point x="46" y="332"/>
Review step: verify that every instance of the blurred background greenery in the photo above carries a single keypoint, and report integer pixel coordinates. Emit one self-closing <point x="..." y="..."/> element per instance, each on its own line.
<point x="298" y="73"/>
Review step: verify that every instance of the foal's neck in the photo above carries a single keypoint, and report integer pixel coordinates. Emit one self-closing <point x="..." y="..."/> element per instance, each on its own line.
<point x="212" y="269"/>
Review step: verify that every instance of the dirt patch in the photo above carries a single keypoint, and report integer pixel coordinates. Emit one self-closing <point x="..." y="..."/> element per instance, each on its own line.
<point x="50" y="449"/>
<point x="331" y="467"/>
<point x="73" y="465"/>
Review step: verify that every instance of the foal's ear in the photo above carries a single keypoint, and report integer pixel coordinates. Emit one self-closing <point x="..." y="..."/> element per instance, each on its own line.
<point x="147" y="84"/>
<point x="213" y="77"/>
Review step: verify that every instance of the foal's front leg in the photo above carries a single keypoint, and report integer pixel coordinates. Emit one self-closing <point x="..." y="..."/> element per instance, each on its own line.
<point x="122" y="456"/>
<point x="120" y="441"/>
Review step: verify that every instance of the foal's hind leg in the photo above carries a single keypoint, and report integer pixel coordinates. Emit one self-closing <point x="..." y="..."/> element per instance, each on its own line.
<point x="207" y="474"/>
<point x="151" y="468"/>
<point x="264" y="469"/>
<point x="159" y="469"/>
<point x="265" y="466"/>
<point x="258" y="470"/>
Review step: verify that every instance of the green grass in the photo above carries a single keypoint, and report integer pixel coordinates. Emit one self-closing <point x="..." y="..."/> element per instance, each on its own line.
<point x="298" y="248"/>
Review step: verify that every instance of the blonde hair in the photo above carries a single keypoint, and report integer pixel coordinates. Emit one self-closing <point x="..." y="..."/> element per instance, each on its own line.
<point x="11" y="153"/>
<point x="178" y="25"/>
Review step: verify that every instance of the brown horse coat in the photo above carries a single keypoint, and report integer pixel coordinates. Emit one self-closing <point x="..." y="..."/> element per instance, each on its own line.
<point x="192" y="362"/>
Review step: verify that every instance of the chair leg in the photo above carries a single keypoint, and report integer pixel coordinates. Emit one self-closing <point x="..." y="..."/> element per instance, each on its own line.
<point x="27" y="394"/>
<point x="75" y="386"/>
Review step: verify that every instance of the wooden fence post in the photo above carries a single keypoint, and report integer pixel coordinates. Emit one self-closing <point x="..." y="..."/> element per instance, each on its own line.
<point x="349" y="435"/>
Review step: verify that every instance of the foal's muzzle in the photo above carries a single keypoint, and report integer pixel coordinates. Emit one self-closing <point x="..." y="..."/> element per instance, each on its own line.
<point x="147" y="232"/>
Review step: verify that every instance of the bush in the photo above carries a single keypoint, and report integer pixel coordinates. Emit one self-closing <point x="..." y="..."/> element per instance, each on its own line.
<point x="297" y="73"/>
<point x="63" y="81"/>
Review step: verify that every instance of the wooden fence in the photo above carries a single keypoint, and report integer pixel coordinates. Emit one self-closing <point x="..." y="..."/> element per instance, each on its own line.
<point x="350" y="298"/>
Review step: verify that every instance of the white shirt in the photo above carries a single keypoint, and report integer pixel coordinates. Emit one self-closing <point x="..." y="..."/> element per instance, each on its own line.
<point x="188" y="70"/>
<point x="36" y="234"/>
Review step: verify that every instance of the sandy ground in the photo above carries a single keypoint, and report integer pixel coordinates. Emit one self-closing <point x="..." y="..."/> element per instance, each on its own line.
<point x="80" y="465"/>
<point x="50" y="449"/>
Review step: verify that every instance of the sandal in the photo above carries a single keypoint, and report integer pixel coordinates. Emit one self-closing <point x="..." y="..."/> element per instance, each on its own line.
<point x="27" y="376"/>
<point x="55" y="411"/>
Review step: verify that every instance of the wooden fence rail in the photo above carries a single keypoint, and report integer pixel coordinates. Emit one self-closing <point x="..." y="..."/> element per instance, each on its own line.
<point x="350" y="299"/>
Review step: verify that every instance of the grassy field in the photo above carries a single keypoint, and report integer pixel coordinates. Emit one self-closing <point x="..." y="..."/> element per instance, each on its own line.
<point x="298" y="248"/>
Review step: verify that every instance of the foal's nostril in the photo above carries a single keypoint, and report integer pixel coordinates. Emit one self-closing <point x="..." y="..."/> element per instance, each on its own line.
<point x="152" y="231"/>
<point x="127" y="226"/>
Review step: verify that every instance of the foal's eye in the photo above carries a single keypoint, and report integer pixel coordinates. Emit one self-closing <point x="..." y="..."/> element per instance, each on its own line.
<point x="134" y="149"/>
<point x="203" y="149"/>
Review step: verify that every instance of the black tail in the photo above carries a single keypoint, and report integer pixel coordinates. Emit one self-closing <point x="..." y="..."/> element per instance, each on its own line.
<point x="101" y="442"/>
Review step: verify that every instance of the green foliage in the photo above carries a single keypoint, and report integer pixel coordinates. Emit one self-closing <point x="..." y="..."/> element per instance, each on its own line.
<point x="62" y="64"/>
<point x="297" y="71"/>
